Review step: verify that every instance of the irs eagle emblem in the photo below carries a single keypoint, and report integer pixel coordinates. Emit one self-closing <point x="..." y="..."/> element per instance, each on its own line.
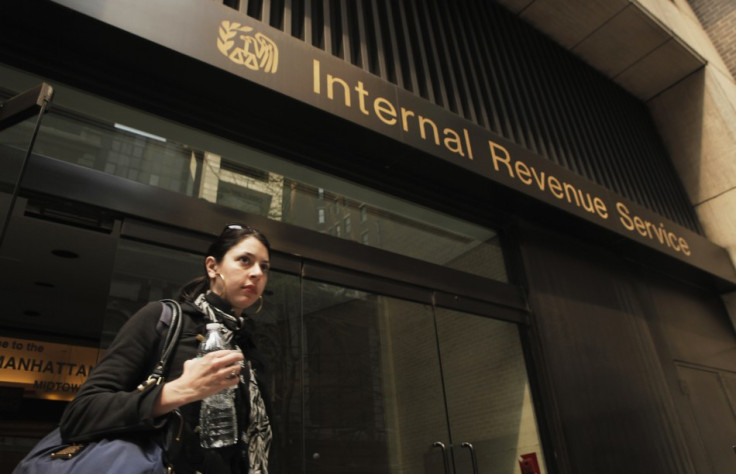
<point x="257" y="51"/>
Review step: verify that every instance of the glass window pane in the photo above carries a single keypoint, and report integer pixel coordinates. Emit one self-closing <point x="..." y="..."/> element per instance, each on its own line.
<point x="158" y="153"/>
<point x="373" y="391"/>
<point x="143" y="273"/>
<point x="488" y="396"/>
<point x="276" y="333"/>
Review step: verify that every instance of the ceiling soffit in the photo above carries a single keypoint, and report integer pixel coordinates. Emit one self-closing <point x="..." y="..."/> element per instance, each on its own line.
<point x="619" y="38"/>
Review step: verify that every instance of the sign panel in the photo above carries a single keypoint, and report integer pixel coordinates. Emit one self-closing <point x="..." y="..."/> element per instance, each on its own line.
<point x="43" y="369"/>
<point x="252" y="50"/>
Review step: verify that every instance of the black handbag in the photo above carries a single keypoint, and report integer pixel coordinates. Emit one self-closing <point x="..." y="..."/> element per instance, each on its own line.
<point x="133" y="453"/>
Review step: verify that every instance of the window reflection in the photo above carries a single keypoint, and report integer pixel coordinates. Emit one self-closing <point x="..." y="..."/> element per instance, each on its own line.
<point x="238" y="180"/>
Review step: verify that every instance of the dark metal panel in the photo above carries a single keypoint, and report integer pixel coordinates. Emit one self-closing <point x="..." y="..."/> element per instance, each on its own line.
<point x="463" y="67"/>
<point x="466" y="51"/>
<point x="370" y="32"/>
<point x="590" y="313"/>
<point x="385" y="41"/>
<point x="172" y="237"/>
<point x="493" y="105"/>
<point x="275" y="11"/>
<point x="563" y="113"/>
<point x="425" y="72"/>
<point x="447" y="68"/>
<point x="711" y="405"/>
<point x="320" y="271"/>
<point x="308" y="13"/>
<point x="329" y="29"/>
<point x="528" y="71"/>
<point x="482" y="308"/>
<point x="554" y="112"/>
<point x="316" y="24"/>
<point x="264" y="13"/>
<point x="353" y="35"/>
<point x="621" y="151"/>
<point x="409" y="68"/>
<point x="294" y="18"/>
<point x="288" y="15"/>
<point x="499" y="57"/>
<point x="434" y="61"/>
<point x="367" y="36"/>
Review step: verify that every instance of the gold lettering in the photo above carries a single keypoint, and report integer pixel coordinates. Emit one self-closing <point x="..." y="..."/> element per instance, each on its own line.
<point x="385" y="111"/>
<point x="529" y="175"/>
<point x="571" y="190"/>
<point x="452" y="141"/>
<point x="522" y="171"/>
<point x="423" y="121"/>
<point x="504" y="157"/>
<point x="672" y="240"/>
<point x="467" y="143"/>
<point x="315" y="77"/>
<point x="625" y="219"/>
<point x="331" y="81"/>
<point x="555" y="187"/>
<point x="404" y="115"/>
<point x="600" y="207"/>
<point x="587" y="201"/>
<point x="658" y="231"/>
<point x="646" y="228"/>
<point x="362" y="94"/>
<point x="539" y="178"/>
<point x="640" y="226"/>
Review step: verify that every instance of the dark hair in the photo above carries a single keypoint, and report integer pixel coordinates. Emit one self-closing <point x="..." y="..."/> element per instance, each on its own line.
<point x="231" y="236"/>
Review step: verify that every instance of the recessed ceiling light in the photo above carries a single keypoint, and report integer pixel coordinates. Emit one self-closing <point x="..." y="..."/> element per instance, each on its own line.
<point x="65" y="253"/>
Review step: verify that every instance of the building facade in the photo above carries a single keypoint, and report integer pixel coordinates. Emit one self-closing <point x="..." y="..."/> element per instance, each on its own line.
<point x="502" y="232"/>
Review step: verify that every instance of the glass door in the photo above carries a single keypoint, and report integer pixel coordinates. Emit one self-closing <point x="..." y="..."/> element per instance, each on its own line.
<point x="388" y="390"/>
<point x="373" y="389"/>
<point x="489" y="404"/>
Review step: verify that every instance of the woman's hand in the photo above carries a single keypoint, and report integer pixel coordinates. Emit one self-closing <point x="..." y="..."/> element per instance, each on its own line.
<point x="201" y="378"/>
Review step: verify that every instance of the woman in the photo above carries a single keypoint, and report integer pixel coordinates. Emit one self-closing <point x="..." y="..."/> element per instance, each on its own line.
<point x="236" y="272"/>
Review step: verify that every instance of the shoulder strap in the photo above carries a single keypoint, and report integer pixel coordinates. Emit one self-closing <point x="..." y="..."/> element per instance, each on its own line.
<point x="172" y="337"/>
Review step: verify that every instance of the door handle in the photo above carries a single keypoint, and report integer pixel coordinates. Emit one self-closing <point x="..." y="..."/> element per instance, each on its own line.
<point x="441" y="445"/>
<point x="472" y="456"/>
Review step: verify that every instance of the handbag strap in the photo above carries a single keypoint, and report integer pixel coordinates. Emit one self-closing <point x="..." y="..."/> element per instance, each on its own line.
<point x="170" y="340"/>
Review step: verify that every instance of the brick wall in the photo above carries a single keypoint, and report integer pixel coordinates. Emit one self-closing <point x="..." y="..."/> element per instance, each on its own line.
<point x="718" y="17"/>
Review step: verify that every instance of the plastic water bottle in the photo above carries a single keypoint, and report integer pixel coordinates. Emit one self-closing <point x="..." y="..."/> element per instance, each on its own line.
<point x="217" y="417"/>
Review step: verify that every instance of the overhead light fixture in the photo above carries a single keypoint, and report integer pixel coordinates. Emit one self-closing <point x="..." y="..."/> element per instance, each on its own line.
<point x="125" y="128"/>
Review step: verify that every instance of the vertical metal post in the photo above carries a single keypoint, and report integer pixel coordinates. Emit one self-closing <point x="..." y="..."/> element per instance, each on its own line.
<point x="13" y="111"/>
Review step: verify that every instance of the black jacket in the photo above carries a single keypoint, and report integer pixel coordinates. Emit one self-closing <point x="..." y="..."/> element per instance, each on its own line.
<point x="108" y="403"/>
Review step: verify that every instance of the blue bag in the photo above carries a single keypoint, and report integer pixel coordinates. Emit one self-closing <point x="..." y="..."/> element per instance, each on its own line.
<point x="139" y="455"/>
<point x="126" y="453"/>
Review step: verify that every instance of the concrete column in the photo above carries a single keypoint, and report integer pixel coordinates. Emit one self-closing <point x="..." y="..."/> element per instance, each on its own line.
<point x="697" y="121"/>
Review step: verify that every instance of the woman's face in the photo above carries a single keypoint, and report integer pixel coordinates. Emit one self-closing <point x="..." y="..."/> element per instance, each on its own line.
<point x="241" y="275"/>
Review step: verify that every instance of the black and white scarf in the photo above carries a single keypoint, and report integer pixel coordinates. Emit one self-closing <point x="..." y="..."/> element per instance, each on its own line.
<point x="258" y="435"/>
